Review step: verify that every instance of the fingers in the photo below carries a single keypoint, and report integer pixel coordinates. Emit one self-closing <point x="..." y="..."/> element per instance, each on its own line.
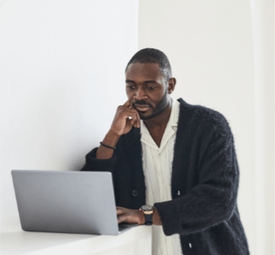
<point x="121" y="214"/>
<point x="129" y="215"/>
<point x="133" y="116"/>
<point x="137" y="123"/>
<point x="133" y="120"/>
<point x="127" y="103"/>
<point x="130" y="114"/>
<point x="121" y="218"/>
<point x="119" y="210"/>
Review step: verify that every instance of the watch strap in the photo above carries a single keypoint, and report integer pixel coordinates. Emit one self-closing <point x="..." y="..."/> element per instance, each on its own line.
<point x="148" y="214"/>
<point x="148" y="219"/>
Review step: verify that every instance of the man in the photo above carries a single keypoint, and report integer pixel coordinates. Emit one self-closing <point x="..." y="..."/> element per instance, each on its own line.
<point x="176" y="158"/>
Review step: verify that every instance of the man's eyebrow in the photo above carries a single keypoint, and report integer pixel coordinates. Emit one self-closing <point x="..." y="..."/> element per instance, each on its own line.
<point x="129" y="81"/>
<point x="150" y="81"/>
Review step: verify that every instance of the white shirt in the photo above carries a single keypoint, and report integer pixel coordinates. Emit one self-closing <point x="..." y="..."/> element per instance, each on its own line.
<point x="157" y="167"/>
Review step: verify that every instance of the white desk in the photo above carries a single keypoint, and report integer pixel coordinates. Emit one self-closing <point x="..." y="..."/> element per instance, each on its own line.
<point x="14" y="241"/>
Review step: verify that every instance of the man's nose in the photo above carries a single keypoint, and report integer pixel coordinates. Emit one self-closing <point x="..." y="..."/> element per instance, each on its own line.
<point x="140" y="94"/>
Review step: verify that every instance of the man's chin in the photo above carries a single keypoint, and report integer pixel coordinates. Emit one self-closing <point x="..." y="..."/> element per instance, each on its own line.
<point x="144" y="116"/>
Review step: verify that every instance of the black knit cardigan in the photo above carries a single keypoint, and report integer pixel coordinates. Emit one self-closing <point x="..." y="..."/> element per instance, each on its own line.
<point x="204" y="183"/>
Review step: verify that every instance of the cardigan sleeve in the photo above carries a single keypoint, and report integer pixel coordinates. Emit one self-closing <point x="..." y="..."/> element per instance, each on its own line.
<point x="94" y="164"/>
<point x="213" y="199"/>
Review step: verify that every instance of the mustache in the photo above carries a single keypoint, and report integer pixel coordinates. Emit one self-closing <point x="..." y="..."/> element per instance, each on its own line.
<point x="139" y="102"/>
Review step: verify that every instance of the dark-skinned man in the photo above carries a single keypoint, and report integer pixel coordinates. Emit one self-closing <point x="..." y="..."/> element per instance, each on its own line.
<point x="174" y="165"/>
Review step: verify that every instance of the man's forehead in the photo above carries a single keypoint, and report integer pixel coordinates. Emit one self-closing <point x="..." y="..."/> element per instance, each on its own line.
<point x="143" y="70"/>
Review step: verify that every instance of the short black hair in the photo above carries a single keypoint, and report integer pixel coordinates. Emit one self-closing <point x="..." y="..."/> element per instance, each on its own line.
<point x="150" y="55"/>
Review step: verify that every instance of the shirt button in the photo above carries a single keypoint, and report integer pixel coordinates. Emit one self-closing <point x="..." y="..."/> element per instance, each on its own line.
<point x="178" y="192"/>
<point x="135" y="193"/>
<point x="190" y="245"/>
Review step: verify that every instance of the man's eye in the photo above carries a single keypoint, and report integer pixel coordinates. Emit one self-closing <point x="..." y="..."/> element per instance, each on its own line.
<point x="130" y="87"/>
<point x="151" y="88"/>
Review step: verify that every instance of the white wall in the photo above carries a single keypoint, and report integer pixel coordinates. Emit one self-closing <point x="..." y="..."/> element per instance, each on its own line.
<point x="263" y="41"/>
<point x="62" y="76"/>
<point x="211" y="49"/>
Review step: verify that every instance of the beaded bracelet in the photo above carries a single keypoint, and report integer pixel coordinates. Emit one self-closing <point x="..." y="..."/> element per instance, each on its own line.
<point x="105" y="145"/>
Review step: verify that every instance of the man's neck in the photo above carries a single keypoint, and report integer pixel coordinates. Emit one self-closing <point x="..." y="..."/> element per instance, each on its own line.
<point x="156" y="126"/>
<point x="161" y="119"/>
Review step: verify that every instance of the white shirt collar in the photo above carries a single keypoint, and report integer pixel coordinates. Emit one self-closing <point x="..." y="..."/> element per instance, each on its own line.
<point x="170" y="129"/>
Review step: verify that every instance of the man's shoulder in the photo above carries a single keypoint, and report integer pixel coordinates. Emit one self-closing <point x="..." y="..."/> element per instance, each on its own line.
<point x="198" y="115"/>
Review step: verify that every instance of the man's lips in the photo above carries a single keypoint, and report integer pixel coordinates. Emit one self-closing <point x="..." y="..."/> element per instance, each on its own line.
<point x="142" y="107"/>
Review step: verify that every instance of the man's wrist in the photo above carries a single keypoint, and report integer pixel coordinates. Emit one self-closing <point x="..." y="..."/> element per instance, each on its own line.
<point x="156" y="217"/>
<point x="147" y="211"/>
<point x="141" y="218"/>
<point x="113" y="135"/>
<point x="111" y="138"/>
<point x="106" y="152"/>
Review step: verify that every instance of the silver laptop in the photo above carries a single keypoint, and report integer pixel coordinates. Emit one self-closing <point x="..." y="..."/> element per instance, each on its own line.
<point x="66" y="202"/>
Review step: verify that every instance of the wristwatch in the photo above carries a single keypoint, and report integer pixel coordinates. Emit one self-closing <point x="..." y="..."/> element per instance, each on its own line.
<point x="148" y="213"/>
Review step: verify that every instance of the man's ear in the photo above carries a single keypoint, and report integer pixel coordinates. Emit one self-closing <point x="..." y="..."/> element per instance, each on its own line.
<point x="171" y="85"/>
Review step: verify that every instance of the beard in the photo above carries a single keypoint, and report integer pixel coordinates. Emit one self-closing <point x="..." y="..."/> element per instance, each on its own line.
<point x="160" y="107"/>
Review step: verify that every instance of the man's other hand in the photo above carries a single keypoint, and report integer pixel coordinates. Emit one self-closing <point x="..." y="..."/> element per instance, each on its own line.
<point x="129" y="215"/>
<point x="125" y="118"/>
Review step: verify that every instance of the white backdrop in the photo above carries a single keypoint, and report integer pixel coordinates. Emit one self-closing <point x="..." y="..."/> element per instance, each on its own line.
<point x="62" y="76"/>
<point x="223" y="58"/>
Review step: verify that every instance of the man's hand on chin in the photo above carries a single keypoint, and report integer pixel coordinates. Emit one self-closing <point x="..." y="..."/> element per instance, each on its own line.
<point x="129" y="216"/>
<point x="125" y="118"/>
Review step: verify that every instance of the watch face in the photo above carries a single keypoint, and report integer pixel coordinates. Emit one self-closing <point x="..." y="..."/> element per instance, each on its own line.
<point x="147" y="208"/>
